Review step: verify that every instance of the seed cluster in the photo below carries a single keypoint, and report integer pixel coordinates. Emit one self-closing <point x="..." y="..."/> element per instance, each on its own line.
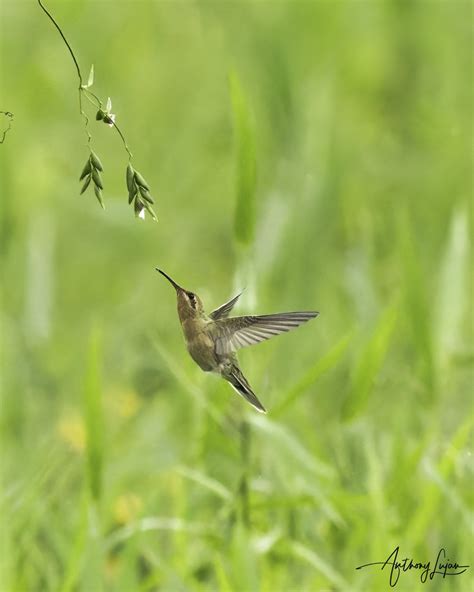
<point x="91" y="171"/>
<point x="139" y="193"/>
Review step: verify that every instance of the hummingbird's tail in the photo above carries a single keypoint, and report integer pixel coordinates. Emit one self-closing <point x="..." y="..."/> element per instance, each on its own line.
<point x="240" y="384"/>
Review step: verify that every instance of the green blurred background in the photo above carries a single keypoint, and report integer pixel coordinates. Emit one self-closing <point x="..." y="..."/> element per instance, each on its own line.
<point x="317" y="153"/>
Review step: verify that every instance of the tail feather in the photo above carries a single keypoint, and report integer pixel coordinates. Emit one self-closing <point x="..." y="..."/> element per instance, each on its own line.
<point x="240" y="384"/>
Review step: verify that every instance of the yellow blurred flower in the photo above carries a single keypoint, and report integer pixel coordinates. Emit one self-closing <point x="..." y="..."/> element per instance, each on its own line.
<point x="127" y="507"/>
<point x="125" y="403"/>
<point x="129" y="403"/>
<point x="71" y="429"/>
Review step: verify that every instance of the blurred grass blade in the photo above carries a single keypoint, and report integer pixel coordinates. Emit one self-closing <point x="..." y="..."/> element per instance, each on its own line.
<point x="221" y="576"/>
<point x="244" y="560"/>
<point x="93" y="418"/>
<point x="376" y="493"/>
<point x="322" y="566"/>
<point x="93" y="572"/>
<point x="369" y="364"/>
<point x="321" y="366"/>
<point x="207" y="482"/>
<point x="452" y="288"/>
<point x="264" y="543"/>
<point x="428" y="506"/>
<point x="246" y="164"/>
<point x="151" y="524"/>
<point x="285" y="441"/>
<point x="76" y="550"/>
<point x="417" y="304"/>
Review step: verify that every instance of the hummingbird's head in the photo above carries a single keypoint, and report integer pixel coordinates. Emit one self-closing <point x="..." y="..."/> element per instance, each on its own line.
<point x="189" y="304"/>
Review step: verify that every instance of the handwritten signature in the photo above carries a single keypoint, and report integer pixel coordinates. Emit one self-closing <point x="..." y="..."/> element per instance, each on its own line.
<point x="440" y="567"/>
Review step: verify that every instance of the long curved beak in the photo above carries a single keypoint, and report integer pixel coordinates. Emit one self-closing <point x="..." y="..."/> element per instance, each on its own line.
<point x="171" y="281"/>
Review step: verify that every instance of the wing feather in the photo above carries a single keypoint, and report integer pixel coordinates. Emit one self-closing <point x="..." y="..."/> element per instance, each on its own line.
<point x="237" y="332"/>
<point x="223" y="311"/>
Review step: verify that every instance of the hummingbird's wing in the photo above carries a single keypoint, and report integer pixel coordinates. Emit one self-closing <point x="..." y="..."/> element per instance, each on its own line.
<point x="238" y="381"/>
<point x="223" y="311"/>
<point x="234" y="333"/>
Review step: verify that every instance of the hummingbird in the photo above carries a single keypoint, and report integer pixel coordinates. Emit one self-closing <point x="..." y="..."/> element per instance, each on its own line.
<point x="212" y="340"/>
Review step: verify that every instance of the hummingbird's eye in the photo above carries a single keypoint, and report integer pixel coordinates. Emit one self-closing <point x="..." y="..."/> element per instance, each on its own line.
<point x="192" y="299"/>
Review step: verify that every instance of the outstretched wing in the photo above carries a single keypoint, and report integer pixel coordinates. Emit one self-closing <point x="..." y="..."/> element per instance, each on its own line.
<point x="223" y="311"/>
<point x="237" y="332"/>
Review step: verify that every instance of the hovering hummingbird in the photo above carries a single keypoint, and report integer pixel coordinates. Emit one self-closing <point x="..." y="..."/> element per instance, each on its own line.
<point x="213" y="339"/>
